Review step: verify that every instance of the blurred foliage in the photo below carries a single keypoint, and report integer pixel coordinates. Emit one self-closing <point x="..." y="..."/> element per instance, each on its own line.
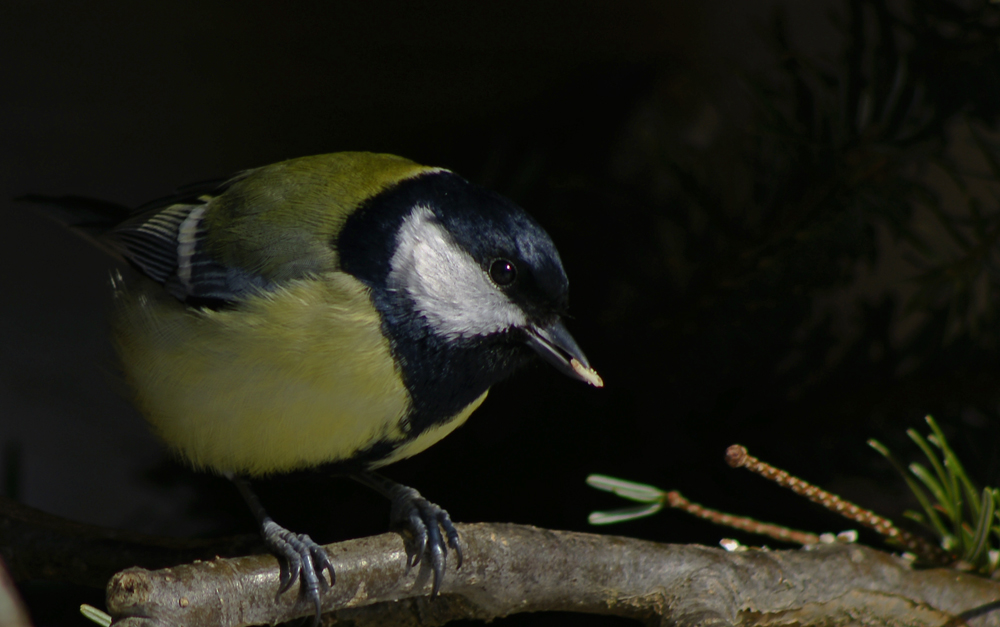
<point x="876" y="166"/>
<point x="806" y="254"/>
<point x="837" y="153"/>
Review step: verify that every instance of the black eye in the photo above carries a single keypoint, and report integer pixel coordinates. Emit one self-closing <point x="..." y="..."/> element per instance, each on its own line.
<point x="503" y="272"/>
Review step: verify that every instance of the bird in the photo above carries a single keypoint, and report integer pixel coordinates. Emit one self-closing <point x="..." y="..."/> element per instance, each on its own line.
<point x="337" y="312"/>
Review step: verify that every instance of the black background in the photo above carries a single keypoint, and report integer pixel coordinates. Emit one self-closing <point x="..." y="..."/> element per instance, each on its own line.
<point x="572" y="110"/>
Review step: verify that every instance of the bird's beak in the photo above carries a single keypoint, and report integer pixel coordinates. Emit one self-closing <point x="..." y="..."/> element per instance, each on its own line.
<point x="556" y="346"/>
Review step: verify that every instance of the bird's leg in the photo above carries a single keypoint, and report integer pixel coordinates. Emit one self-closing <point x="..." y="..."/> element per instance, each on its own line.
<point x="297" y="553"/>
<point x="423" y="519"/>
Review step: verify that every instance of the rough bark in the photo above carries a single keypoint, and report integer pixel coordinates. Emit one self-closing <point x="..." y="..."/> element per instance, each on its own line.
<point x="514" y="568"/>
<point x="508" y="569"/>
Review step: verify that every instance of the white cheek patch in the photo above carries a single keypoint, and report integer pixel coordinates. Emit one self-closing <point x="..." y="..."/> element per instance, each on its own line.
<point x="445" y="283"/>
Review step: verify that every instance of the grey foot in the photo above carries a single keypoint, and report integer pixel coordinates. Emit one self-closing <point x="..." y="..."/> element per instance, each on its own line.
<point x="299" y="556"/>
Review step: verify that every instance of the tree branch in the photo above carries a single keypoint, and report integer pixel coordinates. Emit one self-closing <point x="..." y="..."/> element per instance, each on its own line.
<point x="508" y="569"/>
<point x="512" y="568"/>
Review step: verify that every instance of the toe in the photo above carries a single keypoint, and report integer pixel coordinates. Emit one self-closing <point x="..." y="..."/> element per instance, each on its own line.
<point x="301" y="560"/>
<point x="426" y="522"/>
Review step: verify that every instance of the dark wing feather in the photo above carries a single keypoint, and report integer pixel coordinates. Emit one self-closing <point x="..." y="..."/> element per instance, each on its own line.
<point x="167" y="241"/>
<point x="192" y="193"/>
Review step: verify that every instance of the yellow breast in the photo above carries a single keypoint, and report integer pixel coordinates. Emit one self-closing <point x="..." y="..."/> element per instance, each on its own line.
<point x="290" y="379"/>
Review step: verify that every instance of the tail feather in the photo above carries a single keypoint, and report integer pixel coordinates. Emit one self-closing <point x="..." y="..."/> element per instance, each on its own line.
<point x="81" y="212"/>
<point x="88" y="217"/>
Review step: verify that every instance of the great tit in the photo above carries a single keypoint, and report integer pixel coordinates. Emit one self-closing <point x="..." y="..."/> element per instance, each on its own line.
<point x="340" y="311"/>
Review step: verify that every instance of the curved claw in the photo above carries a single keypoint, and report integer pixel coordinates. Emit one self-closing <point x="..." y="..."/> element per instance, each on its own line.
<point x="425" y="521"/>
<point x="416" y="526"/>
<point x="452" y="534"/>
<point x="299" y="556"/>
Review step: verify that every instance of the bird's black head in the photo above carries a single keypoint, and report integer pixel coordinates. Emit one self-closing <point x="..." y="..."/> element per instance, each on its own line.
<point x="467" y="284"/>
<point x="516" y="254"/>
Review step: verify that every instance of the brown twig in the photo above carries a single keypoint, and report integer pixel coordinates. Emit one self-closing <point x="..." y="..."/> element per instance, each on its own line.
<point x="738" y="457"/>
<point x="676" y="500"/>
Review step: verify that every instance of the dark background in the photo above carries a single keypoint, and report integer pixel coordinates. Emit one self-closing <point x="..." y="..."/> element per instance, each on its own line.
<point x="753" y="205"/>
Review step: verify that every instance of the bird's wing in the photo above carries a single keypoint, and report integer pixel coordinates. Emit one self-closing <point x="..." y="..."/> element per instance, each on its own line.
<point x="166" y="240"/>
